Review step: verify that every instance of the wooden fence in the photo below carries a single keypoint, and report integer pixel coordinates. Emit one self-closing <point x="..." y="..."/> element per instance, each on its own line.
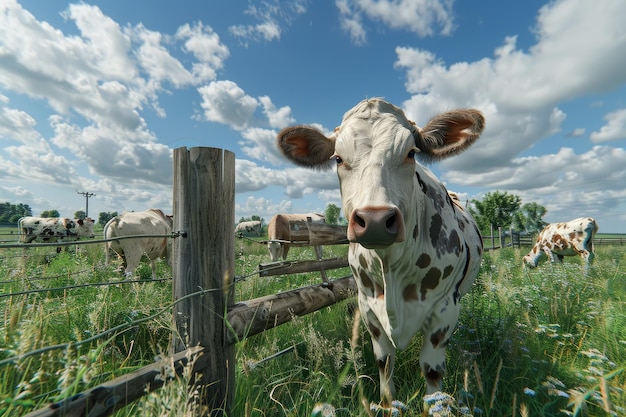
<point x="206" y="329"/>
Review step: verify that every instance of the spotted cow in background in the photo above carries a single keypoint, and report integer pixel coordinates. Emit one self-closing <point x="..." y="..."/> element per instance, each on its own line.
<point x="149" y="222"/>
<point x="574" y="237"/>
<point x="54" y="229"/>
<point x="249" y="228"/>
<point x="414" y="250"/>
<point x="279" y="232"/>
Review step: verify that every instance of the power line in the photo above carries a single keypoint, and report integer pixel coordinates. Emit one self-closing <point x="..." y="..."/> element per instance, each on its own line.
<point x="87" y="195"/>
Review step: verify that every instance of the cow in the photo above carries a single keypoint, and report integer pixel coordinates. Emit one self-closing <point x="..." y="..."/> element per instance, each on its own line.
<point x="54" y="229"/>
<point x="249" y="228"/>
<point x="574" y="237"/>
<point x="279" y="232"/>
<point x="150" y="222"/>
<point x="413" y="249"/>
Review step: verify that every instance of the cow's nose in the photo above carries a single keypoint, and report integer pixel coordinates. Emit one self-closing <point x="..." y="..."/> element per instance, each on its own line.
<point x="376" y="227"/>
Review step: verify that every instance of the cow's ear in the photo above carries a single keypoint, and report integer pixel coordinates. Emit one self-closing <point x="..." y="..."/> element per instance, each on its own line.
<point x="306" y="146"/>
<point x="80" y="221"/>
<point x="449" y="134"/>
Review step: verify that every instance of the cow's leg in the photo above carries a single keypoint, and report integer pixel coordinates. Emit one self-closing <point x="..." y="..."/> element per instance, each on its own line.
<point x="385" y="354"/>
<point x="286" y="247"/>
<point x="153" y="266"/>
<point x="550" y="255"/>
<point x="133" y="257"/>
<point x="433" y="354"/>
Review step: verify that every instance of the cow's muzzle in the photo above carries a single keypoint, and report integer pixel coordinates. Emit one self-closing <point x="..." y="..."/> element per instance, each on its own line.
<point x="376" y="227"/>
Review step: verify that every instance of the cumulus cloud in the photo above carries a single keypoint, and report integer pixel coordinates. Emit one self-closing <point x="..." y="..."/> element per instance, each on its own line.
<point x="272" y="17"/>
<point x="422" y="17"/>
<point x="201" y="41"/>
<point x="614" y="129"/>
<point x="225" y="102"/>
<point x="518" y="90"/>
<point x="97" y="84"/>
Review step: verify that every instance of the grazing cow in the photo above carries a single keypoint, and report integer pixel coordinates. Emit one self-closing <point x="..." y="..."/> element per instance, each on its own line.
<point x="54" y="229"/>
<point x="574" y="237"/>
<point x="250" y="228"/>
<point x="414" y="250"/>
<point x="279" y="232"/>
<point x="149" y="222"/>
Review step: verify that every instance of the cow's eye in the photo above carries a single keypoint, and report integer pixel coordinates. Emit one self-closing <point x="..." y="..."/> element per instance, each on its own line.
<point x="411" y="154"/>
<point x="339" y="160"/>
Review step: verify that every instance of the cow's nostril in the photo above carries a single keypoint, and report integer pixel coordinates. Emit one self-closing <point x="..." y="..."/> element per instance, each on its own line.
<point x="359" y="220"/>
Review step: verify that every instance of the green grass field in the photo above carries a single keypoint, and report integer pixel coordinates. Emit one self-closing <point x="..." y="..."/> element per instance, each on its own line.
<point x="544" y="342"/>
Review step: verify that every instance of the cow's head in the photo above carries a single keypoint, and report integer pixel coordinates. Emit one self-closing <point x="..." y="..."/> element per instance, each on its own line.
<point x="375" y="150"/>
<point x="276" y="250"/>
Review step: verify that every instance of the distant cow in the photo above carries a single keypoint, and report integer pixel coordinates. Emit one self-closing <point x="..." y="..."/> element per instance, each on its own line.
<point x="54" y="229"/>
<point x="574" y="237"/>
<point x="414" y="250"/>
<point x="149" y="222"/>
<point x="279" y="232"/>
<point x="250" y="228"/>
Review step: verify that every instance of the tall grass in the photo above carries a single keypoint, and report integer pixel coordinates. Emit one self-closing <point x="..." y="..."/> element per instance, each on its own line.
<point x="544" y="342"/>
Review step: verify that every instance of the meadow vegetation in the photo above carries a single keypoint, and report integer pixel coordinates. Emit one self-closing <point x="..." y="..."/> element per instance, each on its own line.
<point x="549" y="341"/>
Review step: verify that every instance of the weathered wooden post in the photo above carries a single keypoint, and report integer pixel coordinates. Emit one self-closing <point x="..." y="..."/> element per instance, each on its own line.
<point x="204" y="201"/>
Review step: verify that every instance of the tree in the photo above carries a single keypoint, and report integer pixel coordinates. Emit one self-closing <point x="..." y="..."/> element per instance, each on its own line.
<point x="496" y="209"/>
<point x="50" y="213"/>
<point x="104" y="217"/>
<point x="11" y="213"/>
<point x="529" y="218"/>
<point x="332" y="214"/>
<point x="80" y="214"/>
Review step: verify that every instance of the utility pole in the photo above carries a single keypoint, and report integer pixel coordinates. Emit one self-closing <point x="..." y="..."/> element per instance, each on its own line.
<point x="87" y="195"/>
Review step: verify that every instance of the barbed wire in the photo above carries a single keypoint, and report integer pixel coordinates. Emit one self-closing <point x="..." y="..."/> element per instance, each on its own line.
<point x="121" y="328"/>
<point x="92" y="284"/>
<point x="43" y="278"/>
<point x="172" y="235"/>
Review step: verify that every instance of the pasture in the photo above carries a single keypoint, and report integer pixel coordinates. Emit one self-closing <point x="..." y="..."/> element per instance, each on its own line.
<point x="544" y="342"/>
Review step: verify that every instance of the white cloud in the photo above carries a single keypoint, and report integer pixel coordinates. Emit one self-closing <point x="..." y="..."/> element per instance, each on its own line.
<point x="519" y="91"/>
<point x="422" y="17"/>
<point x="272" y="17"/>
<point x="278" y="118"/>
<point x="225" y="102"/>
<point x="614" y="129"/>
<point x="260" y="144"/>
<point x="205" y="45"/>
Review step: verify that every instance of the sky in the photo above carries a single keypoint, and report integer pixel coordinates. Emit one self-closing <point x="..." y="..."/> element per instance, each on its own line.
<point x="96" y="95"/>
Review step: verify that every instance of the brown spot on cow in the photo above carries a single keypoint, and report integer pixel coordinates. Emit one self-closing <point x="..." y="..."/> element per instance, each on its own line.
<point x="363" y="261"/>
<point x="366" y="280"/>
<point x="439" y="337"/>
<point x="374" y="331"/>
<point x="423" y="261"/>
<point x="433" y="375"/>
<point x="447" y="271"/>
<point x="410" y="293"/>
<point x="415" y="232"/>
<point x="430" y="281"/>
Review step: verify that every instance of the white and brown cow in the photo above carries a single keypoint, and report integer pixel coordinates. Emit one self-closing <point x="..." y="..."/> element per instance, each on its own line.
<point x="279" y="232"/>
<point x="574" y="237"/>
<point x="414" y="251"/>
<point x="54" y="229"/>
<point x="149" y="222"/>
<point x="249" y="228"/>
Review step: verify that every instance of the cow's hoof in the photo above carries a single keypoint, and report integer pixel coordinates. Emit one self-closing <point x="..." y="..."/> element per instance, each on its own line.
<point x="323" y="410"/>
<point x="397" y="409"/>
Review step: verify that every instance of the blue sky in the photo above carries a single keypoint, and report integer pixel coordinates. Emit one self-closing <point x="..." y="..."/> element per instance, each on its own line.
<point x="95" y="95"/>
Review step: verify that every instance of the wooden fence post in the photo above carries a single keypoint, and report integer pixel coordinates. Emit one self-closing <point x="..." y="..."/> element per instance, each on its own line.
<point x="204" y="201"/>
